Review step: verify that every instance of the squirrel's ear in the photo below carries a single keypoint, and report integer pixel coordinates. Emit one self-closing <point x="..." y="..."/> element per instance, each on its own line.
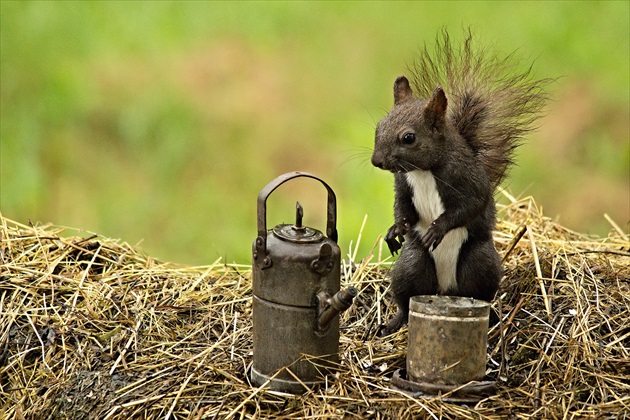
<point x="402" y="90"/>
<point x="435" y="111"/>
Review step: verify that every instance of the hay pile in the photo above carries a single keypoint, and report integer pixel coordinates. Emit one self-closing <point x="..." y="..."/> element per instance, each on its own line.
<point x="92" y="328"/>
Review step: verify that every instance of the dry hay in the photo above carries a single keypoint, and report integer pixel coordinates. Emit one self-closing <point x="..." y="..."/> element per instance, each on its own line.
<point x="93" y="328"/>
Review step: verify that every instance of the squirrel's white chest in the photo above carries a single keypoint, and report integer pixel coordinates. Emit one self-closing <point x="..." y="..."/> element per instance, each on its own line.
<point x="429" y="205"/>
<point x="426" y="198"/>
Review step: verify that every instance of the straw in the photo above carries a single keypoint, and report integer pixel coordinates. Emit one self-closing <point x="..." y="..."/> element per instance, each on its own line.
<point x="93" y="328"/>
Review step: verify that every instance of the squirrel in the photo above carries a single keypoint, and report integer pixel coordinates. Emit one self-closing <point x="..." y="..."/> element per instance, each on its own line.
<point x="449" y="147"/>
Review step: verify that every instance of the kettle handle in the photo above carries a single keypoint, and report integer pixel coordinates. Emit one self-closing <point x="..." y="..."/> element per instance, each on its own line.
<point x="331" y="213"/>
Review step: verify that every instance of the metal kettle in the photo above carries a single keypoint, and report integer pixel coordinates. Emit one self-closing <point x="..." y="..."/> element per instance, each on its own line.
<point x="296" y="282"/>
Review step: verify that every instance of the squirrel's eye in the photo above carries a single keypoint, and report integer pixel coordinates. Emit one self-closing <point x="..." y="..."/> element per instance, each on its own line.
<point x="408" y="138"/>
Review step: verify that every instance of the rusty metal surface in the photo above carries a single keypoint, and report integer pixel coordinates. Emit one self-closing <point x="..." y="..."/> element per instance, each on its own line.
<point x="291" y="280"/>
<point x="468" y="393"/>
<point x="296" y="279"/>
<point x="284" y="334"/>
<point x="341" y="301"/>
<point x="447" y="339"/>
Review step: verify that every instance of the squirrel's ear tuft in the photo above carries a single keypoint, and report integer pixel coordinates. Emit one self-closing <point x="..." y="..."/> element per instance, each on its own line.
<point x="435" y="111"/>
<point x="402" y="90"/>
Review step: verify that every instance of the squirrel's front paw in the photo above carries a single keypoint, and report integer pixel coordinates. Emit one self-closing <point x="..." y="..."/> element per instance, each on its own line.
<point x="394" y="240"/>
<point x="433" y="236"/>
<point x="396" y="236"/>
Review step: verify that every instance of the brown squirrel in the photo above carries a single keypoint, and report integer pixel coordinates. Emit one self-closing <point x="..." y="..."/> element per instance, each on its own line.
<point x="448" y="153"/>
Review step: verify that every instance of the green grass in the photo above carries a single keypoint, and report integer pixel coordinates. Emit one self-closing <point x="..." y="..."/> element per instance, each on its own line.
<point x="161" y="121"/>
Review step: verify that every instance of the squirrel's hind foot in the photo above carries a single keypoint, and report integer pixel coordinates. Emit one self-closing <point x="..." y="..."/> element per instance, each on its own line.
<point x="393" y="325"/>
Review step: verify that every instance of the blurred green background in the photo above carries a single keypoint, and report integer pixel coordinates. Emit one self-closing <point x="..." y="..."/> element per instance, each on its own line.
<point x="159" y="122"/>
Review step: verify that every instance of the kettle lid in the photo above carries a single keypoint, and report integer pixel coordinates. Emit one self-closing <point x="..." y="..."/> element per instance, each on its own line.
<point x="297" y="232"/>
<point x="302" y="234"/>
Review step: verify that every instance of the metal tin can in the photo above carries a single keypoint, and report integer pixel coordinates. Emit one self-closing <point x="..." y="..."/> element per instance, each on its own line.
<point x="447" y="339"/>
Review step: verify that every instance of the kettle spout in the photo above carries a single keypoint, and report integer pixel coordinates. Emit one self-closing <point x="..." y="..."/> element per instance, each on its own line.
<point x="331" y="307"/>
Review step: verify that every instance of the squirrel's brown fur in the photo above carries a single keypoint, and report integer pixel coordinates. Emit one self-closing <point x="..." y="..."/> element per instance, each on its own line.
<point x="491" y="102"/>
<point x="449" y="145"/>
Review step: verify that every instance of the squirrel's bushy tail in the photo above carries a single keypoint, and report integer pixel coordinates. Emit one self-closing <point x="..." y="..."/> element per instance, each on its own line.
<point x="491" y="102"/>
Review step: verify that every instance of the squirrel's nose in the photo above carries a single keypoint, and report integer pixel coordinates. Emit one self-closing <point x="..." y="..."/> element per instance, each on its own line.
<point x="377" y="161"/>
